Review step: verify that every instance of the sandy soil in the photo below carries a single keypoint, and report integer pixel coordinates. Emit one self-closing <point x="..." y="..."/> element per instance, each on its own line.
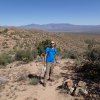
<point x="23" y="90"/>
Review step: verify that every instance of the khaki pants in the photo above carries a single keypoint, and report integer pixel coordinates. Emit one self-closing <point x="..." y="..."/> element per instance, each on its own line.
<point x="49" y="72"/>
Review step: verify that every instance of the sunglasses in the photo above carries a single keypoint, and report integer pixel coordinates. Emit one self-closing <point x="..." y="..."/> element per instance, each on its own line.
<point x="52" y="43"/>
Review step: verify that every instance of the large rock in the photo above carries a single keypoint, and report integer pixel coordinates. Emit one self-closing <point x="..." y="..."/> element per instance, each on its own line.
<point x="69" y="86"/>
<point x="81" y="89"/>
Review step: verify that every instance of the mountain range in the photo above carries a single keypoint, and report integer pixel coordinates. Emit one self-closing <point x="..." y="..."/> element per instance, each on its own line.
<point x="63" y="27"/>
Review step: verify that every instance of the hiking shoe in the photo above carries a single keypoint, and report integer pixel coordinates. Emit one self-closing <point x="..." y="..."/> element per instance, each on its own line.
<point x="44" y="84"/>
<point x="51" y="80"/>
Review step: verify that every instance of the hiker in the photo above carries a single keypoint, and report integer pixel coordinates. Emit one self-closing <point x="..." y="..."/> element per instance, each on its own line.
<point x="50" y="60"/>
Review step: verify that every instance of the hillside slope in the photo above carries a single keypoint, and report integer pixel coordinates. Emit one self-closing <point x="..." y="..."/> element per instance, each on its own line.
<point x="13" y="38"/>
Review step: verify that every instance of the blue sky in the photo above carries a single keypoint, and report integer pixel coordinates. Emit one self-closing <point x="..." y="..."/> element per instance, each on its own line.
<point x="23" y="12"/>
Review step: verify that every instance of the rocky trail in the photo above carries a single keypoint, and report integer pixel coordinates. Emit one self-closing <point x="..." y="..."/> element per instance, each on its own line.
<point x="15" y="83"/>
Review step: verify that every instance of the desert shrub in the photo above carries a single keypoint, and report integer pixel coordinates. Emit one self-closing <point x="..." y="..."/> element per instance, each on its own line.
<point x="5" y="59"/>
<point x="93" y="54"/>
<point x="34" y="80"/>
<point x="91" y="66"/>
<point x="42" y="46"/>
<point x="91" y="43"/>
<point x="34" y="53"/>
<point x="5" y="45"/>
<point x="58" y="51"/>
<point x="24" y="55"/>
<point x="79" y="61"/>
<point x="90" y="70"/>
<point x="5" y="30"/>
<point x="21" y="75"/>
<point x="93" y="51"/>
<point x="69" y="54"/>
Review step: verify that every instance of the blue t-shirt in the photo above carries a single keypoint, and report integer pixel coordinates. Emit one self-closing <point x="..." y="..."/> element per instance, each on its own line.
<point x="51" y="53"/>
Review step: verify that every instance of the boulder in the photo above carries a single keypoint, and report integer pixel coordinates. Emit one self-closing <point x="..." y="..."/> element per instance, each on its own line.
<point x="69" y="86"/>
<point x="81" y="88"/>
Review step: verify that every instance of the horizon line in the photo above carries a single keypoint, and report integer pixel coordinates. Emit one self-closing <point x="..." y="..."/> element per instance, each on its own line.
<point x="48" y="24"/>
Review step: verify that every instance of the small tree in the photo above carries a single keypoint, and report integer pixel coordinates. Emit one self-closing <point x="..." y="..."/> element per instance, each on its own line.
<point x="42" y="46"/>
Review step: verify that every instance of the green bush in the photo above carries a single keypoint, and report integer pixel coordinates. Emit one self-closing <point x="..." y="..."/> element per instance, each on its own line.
<point x="5" y="59"/>
<point x="58" y="51"/>
<point x="91" y="66"/>
<point x="34" y="53"/>
<point x="42" y="46"/>
<point x="34" y="81"/>
<point x="93" y="50"/>
<point x="93" y="54"/>
<point x="24" y="55"/>
<point x="69" y="54"/>
<point x="90" y="70"/>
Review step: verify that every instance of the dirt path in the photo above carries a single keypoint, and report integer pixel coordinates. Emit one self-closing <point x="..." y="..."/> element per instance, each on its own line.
<point x="19" y="90"/>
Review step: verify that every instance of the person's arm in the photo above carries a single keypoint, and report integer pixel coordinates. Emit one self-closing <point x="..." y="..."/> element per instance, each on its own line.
<point x="56" y="55"/>
<point x="56" y="60"/>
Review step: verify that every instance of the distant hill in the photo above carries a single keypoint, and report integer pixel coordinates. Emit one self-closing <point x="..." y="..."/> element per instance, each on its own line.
<point x="63" y="27"/>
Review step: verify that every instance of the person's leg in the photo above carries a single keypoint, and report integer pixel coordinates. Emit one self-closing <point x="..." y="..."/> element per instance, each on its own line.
<point x="47" y="73"/>
<point x="51" y="71"/>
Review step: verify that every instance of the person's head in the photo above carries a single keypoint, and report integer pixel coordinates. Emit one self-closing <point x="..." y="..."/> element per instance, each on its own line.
<point x="53" y="44"/>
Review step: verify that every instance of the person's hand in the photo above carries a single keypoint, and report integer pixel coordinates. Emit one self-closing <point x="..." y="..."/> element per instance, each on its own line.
<point x="44" y="64"/>
<point x="56" y="63"/>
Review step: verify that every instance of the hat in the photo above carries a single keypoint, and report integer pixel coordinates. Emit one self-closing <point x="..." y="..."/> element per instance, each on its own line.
<point x="52" y="42"/>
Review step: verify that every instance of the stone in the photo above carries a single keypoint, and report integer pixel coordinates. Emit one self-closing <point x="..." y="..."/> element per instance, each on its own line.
<point x="69" y="86"/>
<point x="22" y="88"/>
<point x="69" y="82"/>
<point x="81" y="89"/>
<point x="82" y="84"/>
